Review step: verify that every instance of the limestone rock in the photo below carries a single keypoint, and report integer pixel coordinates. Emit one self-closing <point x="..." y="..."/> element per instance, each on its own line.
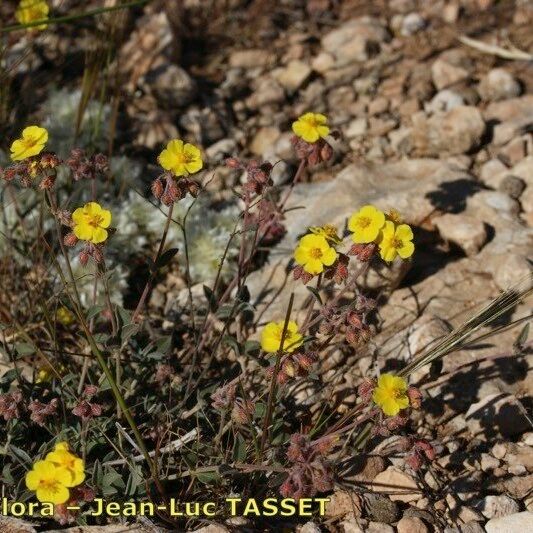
<point x="445" y="74"/>
<point x="397" y="484"/>
<point x="410" y="524"/>
<point x="511" y="523"/>
<point x="465" y="231"/>
<point x="497" y="506"/>
<point x="454" y="132"/>
<point x="498" y="84"/>
<point x="355" y="40"/>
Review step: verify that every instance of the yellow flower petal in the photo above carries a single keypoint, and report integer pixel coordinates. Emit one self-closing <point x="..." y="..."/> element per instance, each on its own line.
<point x="84" y="232"/>
<point x="99" y="235"/>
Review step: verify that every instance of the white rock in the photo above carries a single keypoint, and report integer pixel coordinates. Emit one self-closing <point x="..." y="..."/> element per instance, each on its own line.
<point x="498" y="84"/>
<point x="488" y="462"/>
<point x="323" y="62"/>
<point x="355" y="40"/>
<point x="444" y="101"/>
<point x="310" y="527"/>
<point x="250" y="58"/>
<point x="497" y="506"/>
<point x="465" y="231"/>
<point x="356" y="128"/>
<point x="294" y="75"/>
<point x="445" y="74"/>
<point x="412" y="23"/>
<point x="264" y="139"/>
<point x="411" y="524"/>
<point x="399" y="485"/>
<point x="454" y="132"/>
<point x="513" y="523"/>
<point x="218" y="151"/>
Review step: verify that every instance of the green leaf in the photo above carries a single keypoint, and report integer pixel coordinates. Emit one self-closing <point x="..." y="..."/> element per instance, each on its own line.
<point x="94" y="310"/>
<point x="165" y="258"/>
<point x="239" y="450"/>
<point x="211" y="298"/>
<point x="315" y="293"/>
<point x="21" y="455"/>
<point x="208" y="477"/>
<point x="232" y="343"/>
<point x="129" y="331"/>
<point x="25" y="348"/>
<point x="252" y="348"/>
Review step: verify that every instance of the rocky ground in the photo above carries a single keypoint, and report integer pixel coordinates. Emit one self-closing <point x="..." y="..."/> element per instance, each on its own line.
<point x="437" y="128"/>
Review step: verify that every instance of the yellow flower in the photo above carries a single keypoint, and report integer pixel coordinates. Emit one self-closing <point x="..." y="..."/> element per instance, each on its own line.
<point x="313" y="253"/>
<point x="311" y="127"/>
<point x="396" y="240"/>
<point x="181" y="158"/>
<point x="90" y="223"/>
<point x="62" y="458"/>
<point x="31" y="143"/>
<point x="391" y="394"/>
<point x="366" y="224"/>
<point x="64" y="316"/>
<point x="271" y="337"/>
<point x="49" y="482"/>
<point x="32" y="11"/>
<point x="328" y="231"/>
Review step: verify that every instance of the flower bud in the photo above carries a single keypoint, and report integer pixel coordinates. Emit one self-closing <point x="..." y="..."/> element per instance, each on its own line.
<point x="83" y="257"/>
<point x="415" y="397"/>
<point x="233" y="162"/>
<point x="366" y="388"/>
<point x="70" y="239"/>
<point x="326" y="153"/>
<point x="289" y="368"/>
<point x="47" y="182"/>
<point x="157" y="188"/>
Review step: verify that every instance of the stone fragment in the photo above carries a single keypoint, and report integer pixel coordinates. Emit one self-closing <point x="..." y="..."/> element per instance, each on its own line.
<point x="498" y="84"/>
<point x="399" y="485"/>
<point x="467" y="232"/>
<point x="513" y="523"/>
<point x="454" y="132"/>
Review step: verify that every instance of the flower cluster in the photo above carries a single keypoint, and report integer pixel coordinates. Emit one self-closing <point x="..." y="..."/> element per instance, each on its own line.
<point x="86" y="167"/>
<point x="295" y="361"/>
<point x="310" y="472"/>
<point x="52" y="477"/>
<point x="352" y="320"/>
<point x="29" y="11"/>
<point x="310" y="131"/>
<point x="85" y="408"/>
<point x="392" y="395"/>
<point x="180" y="160"/>
<point x="29" y="163"/>
<point x="371" y="227"/>
<point x="89" y="224"/>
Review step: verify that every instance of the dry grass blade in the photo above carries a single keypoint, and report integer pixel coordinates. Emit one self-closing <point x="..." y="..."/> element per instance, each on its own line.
<point x="461" y="336"/>
<point x="492" y="49"/>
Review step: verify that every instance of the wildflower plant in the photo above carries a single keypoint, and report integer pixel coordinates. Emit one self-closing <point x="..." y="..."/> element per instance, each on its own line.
<point x="160" y="404"/>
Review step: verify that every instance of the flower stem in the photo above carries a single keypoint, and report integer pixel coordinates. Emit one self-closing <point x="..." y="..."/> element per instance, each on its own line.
<point x="150" y="282"/>
<point x="273" y="384"/>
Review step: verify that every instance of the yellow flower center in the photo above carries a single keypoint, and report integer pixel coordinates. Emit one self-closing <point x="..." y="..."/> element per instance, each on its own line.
<point x="95" y="220"/>
<point x="30" y="141"/>
<point x="396" y="243"/>
<point x="364" y="222"/>
<point x="52" y="485"/>
<point x="315" y="253"/>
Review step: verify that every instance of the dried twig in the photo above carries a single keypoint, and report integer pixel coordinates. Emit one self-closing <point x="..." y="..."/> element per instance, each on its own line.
<point x="506" y="53"/>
